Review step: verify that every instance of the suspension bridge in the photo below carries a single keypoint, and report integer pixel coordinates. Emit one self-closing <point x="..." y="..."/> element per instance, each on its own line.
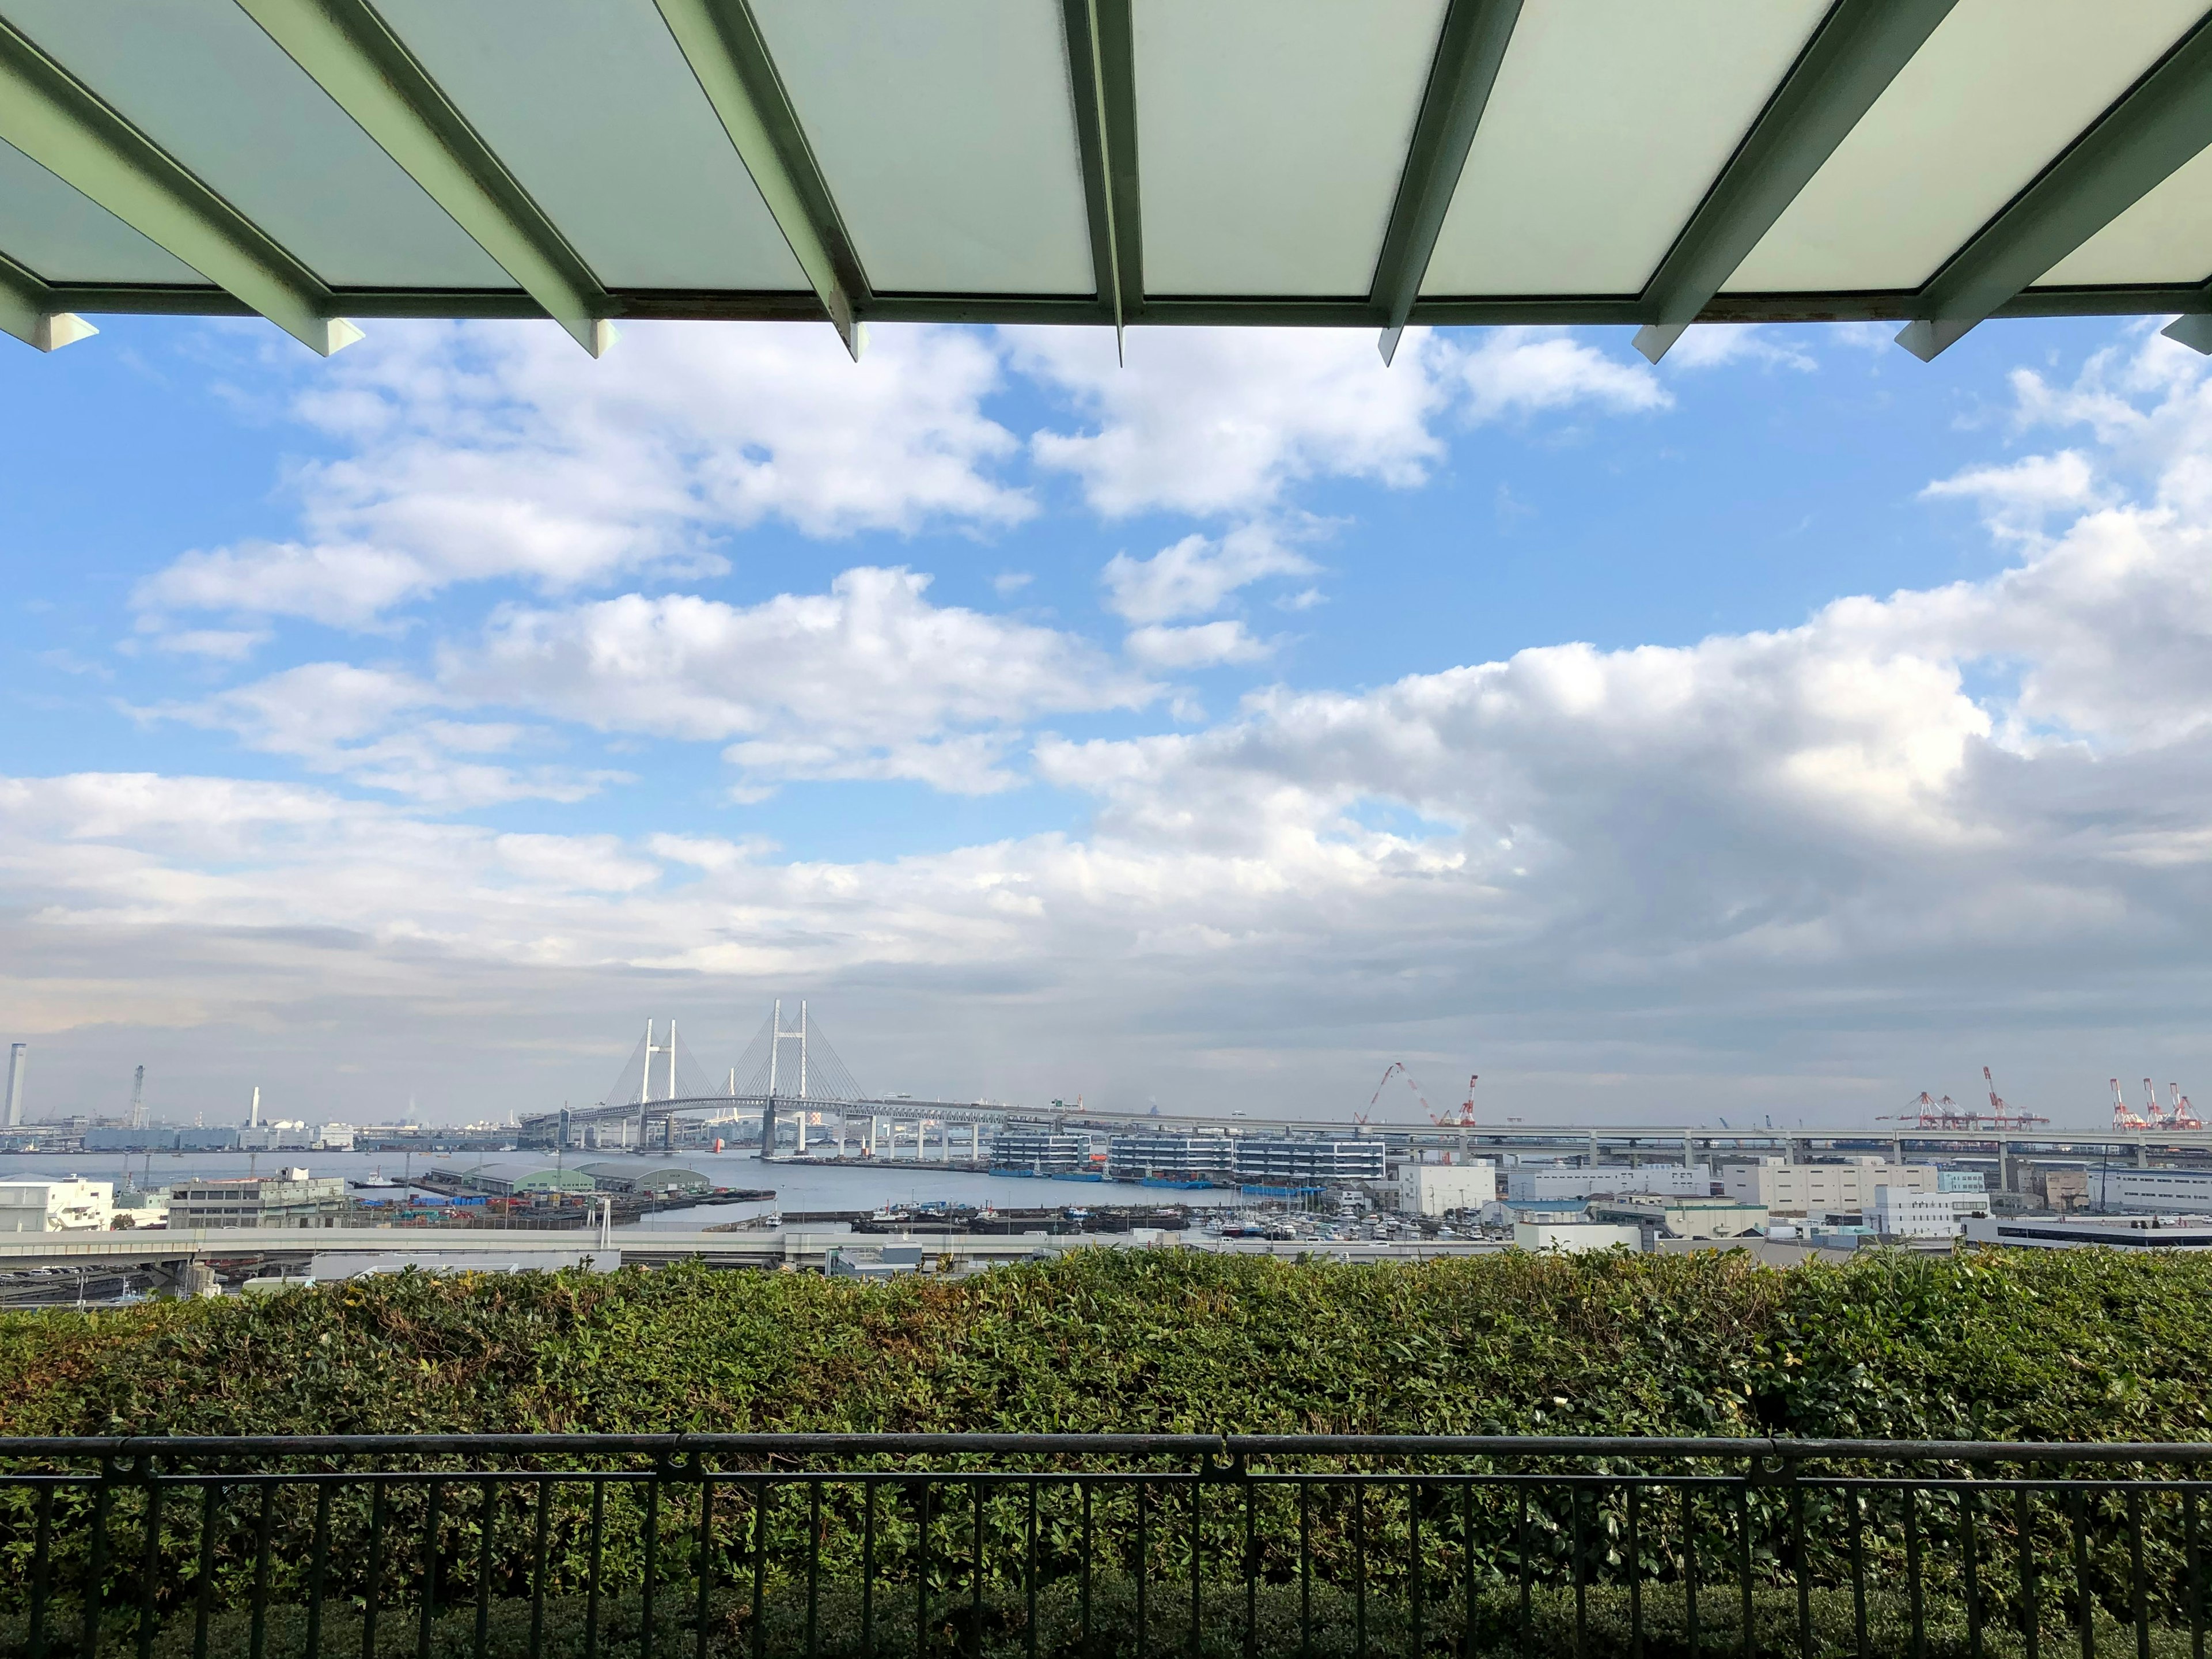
<point x="789" y="1076"/>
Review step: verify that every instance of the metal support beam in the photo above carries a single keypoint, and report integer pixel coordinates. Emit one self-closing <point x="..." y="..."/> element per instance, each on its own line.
<point x="721" y="41"/>
<point x="1102" y="80"/>
<point x="29" y="311"/>
<point x="353" y="54"/>
<point x="1851" y="58"/>
<point x="45" y="112"/>
<point x="1469" y="49"/>
<point x="2157" y="126"/>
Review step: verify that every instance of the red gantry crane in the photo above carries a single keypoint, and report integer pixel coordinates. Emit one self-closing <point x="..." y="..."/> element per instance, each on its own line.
<point x="2123" y="1118"/>
<point x="1395" y="1068"/>
<point x="1466" y="1118"/>
<point x="2002" y="1117"/>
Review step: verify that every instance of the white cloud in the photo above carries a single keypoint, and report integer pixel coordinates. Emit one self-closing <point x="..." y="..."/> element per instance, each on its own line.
<point x="376" y="728"/>
<point x="1511" y="372"/>
<point x="1214" y="421"/>
<point x="867" y="680"/>
<point x="1710" y="345"/>
<point x="1194" y="576"/>
<point x="488" y="451"/>
<point x="1205" y="646"/>
<point x="2018" y="496"/>
<point x="1209" y="421"/>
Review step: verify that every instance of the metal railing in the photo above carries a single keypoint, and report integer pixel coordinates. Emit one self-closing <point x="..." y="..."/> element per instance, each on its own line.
<point x="990" y="1546"/>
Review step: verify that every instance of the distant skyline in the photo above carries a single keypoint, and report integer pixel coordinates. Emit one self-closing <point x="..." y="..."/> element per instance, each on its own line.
<point x="1783" y="731"/>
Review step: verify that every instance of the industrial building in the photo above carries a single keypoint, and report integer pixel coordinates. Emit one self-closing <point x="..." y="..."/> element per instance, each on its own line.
<point x="1440" y="1188"/>
<point x="1566" y="1225"/>
<point x="2082" y="1232"/>
<point x="1039" y="1152"/>
<point x="511" y="1180"/>
<point x="2170" y="1191"/>
<point x="1543" y="1182"/>
<point x="1668" y="1216"/>
<point x="1287" y="1162"/>
<point x="1902" y="1213"/>
<point x="644" y="1180"/>
<point x="1174" y="1158"/>
<point x="69" y="1205"/>
<point x="1788" y="1188"/>
<point x="292" y="1198"/>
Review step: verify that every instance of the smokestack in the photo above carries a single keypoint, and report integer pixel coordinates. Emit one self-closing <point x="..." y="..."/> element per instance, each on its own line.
<point x="19" y="1059"/>
<point x="138" y="1098"/>
<point x="253" y="1117"/>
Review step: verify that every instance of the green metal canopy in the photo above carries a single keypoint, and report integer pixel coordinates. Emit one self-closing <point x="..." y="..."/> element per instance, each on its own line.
<point x="1366" y="163"/>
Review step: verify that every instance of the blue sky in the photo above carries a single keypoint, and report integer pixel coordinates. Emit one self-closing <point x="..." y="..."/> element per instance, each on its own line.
<point x="1212" y="730"/>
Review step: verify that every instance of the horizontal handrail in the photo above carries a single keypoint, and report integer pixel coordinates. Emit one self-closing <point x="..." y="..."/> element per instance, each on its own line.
<point x="686" y="1444"/>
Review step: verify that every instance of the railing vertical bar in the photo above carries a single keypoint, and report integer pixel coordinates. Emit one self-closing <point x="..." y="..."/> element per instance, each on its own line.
<point x="1467" y="1567"/>
<point x="1143" y="1516"/>
<point x="1578" y="1542"/>
<point x="541" y="1544"/>
<point x="2084" y="1595"/>
<point x="1305" y="1569"/>
<point x="1521" y="1554"/>
<point x="703" y="1623"/>
<point x="1858" y="1572"/>
<point x="2031" y="1614"/>
<point x="1360" y="1571"/>
<point x="1084" y="1487"/>
<point x="372" y="1600"/>
<point x="41" y="1564"/>
<point x="261" y="1538"/>
<point x="1251" y="1572"/>
<point x="920" y="1574"/>
<point x="1635" y="1551"/>
<point x="594" y="1558"/>
<point x="318" y="1565"/>
<point x="432" y="1557"/>
<point x="1750" y="1633"/>
<point x="1912" y="1575"/>
<point x="1029" y="1573"/>
<point x="1969" y="1503"/>
<point x="1197" y="1525"/>
<point x="2195" y="1547"/>
<point x="1802" y="1561"/>
<point x="96" y="1564"/>
<point x="868" y="1570"/>
<point x="1690" y="1570"/>
<point x="763" y="1496"/>
<point x="813" y="1573"/>
<point x="2138" y="1597"/>
<point x="150" y="1563"/>
<point x="1415" y="1586"/>
<point x="488" y="1529"/>
<point x="975" y="1573"/>
<point x="645" y="1605"/>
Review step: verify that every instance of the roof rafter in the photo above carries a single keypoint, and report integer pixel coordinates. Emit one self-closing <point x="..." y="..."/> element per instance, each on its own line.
<point x="45" y="112"/>
<point x="349" y="52"/>
<point x="722" y="41"/>
<point x="1847" y="65"/>
<point x="1469" y="49"/>
<point x="1101" y="80"/>
<point x="31" y="312"/>
<point x="2158" y="124"/>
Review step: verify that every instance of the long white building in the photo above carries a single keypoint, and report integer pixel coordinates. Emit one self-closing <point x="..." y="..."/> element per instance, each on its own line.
<point x="2165" y="1191"/>
<point x="1788" y="1188"/>
<point x="1539" y="1182"/>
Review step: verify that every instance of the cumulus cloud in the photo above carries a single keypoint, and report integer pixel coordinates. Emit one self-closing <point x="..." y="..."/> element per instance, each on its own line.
<point x="869" y="679"/>
<point x="1193" y="576"/>
<point x="486" y="451"/>
<point x="1206" y="645"/>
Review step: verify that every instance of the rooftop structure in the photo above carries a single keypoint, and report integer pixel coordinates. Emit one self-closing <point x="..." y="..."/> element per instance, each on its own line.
<point x="1683" y="1217"/>
<point x="69" y="1204"/>
<point x="293" y="1199"/>
<point x="506" y="1180"/>
<point x="2082" y="1232"/>
<point x="655" y="1181"/>
<point x="1241" y="162"/>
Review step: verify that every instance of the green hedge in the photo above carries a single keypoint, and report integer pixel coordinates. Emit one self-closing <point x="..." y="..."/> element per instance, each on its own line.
<point x="2076" y="1344"/>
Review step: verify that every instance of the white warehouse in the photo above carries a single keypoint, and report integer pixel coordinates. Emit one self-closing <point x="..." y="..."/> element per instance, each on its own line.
<point x="1438" y="1189"/>
<point x="2170" y="1192"/>
<point x="67" y="1206"/>
<point x="1788" y="1188"/>
<point x="1539" y="1182"/>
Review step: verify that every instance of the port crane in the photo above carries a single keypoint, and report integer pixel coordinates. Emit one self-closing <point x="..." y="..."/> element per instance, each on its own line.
<point x="2125" y="1118"/>
<point x="2002" y="1117"/>
<point x="1923" y="1113"/>
<point x="2181" y="1114"/>
<point x="1395" y="1068"/>
<point x="1466" y="1118"/>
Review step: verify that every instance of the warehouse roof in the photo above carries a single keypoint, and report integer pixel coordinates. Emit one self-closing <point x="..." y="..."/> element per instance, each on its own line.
<point x="1366" y="162"/>
<point x="645" y="1177"/>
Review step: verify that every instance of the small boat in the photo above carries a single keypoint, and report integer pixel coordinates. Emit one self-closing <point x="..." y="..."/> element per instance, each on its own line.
<point x="376" y="1182"/>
